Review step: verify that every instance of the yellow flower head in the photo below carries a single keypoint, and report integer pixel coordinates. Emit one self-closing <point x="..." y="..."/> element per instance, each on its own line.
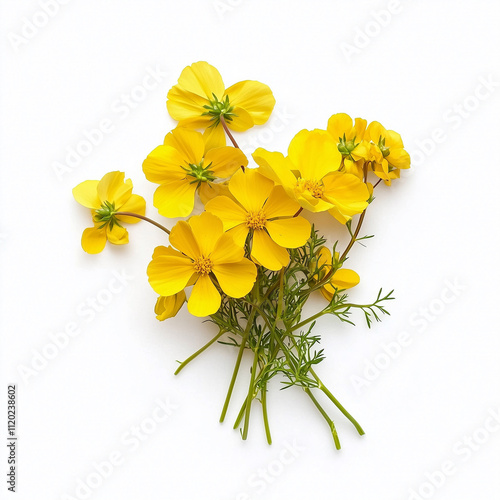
<point x="267" y="212"/>
<point x="309" y="174"/>
<point x="203" y="256"/>
<point x="386" y="152"/>
<point x="342" y="279"/>
<point x="200" y="99"/>
<point x="184" y="165"/>
<point x="347" y="135"/>
<point x="168" y="307"/>
<point x="105" y="198"/>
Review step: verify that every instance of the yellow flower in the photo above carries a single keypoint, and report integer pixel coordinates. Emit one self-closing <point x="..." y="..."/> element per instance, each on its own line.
<point x="106" y="197"/>
<point x="206" y="257"/>
<point x="386" y="152"/>
<point x="342" y="279"/>
<point x="310" y="175"/>
<point x="267" y="212"/>
<point x="347" y="135"/>
<point x="184" y="165"/>
<point x="168" y="307"/>
<point x="200" y="99"/>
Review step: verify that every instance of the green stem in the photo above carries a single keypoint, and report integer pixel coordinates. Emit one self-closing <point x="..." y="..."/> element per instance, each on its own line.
<point x="143" y="217"/>
<point x="199" y="351"/>
<point x="325" y="416"/>
<point x="237" y="365"/>
<point x="263" y="393"/>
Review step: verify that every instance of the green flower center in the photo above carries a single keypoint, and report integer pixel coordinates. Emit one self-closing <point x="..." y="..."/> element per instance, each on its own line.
<point x="106" y="215"/>
<point x="217" y="108"/>
<point x="200" y="173"/>
<point x="383" y="148"/>
<point x="346" y="147"/>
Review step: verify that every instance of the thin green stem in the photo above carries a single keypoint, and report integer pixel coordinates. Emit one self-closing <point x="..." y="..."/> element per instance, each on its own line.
<point x="143" y="217"/>
<point x="226" y="129"/>
<point x="199" y="351"/>
<point x="263" y="393"/>
<point x="325" y="416"/>
<point x="238" y="363"/>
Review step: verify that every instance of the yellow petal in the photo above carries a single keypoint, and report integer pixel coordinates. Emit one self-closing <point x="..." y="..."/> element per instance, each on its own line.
<point x="393" y="140"/>
<point x="209" y="190"/>
<point x="399" y="158"/>
<point x="225" y="161"/>
<point x="236" y="279"/>
<point x="230" y="212"/>
<point x="276" y="167"/>
<point x="205" y="299"/>
<point x="226" y="251"/>
<point x="113" y="188"/>
<point x="163" y="250"/>
<point x="86" y="194"/>
<point x="267" y="252"/>
<point x="346" y="192"/>
<point x="250" y="188"/>
<point x="169" y="275"/>
<point x="135" y="204"/>
<point x="314" y="154"/>
<point x="338" y="125"/>
<point x="182" y="238"/>
<point x="279" y="204"/>
<point x="168" y="307"/>
<point x="189" y="143"/>
<point x="207" y="229"/>
<point x="214" y="136"/>
<point x="375" y="132"/>
<point x="164" y="164"/>
<point x="118" y="235"/>
<point x="175" y="198"/>
<point x="289" y="233"/>
<point x="94" y="240"/>
<point x="343" y="279"/>
<point x="239" y="234"/>
<point x="187" y="107"/>
<point x="241" y="121"/>
<point x="202" y="79"/>
<point x="254" y="97"/>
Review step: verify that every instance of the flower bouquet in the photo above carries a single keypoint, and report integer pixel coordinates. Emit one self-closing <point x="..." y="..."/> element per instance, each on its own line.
<point x="251" y="259"/>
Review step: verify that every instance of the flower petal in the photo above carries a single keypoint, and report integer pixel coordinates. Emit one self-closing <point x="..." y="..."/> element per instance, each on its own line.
<point x="254" y="97"/>
<point x="113" y="188"/>
<point x="207" y="229"/>
<point x="175" y="198"/>
<point x="346" y="192"/>
<point x="164" y="164"/>
<point x="230" y="212"/>
<point x="276" y="167"/>
<point x="250" y="188"/>
<point x="118" y="235"/>
<point x="169" y="275"/>
<point x="279" y="204"/>
<point x="187" y="107"/>
<point x="241" y="121"/>
<point x="289" y="233"/>
<point x="236" y="279"/>
<point x="189" y="143"/>
<point x="168" y="307"/>
<point x="226" y="250"/>
<point x="225" y="161"/>
<point x="342" y="280"/>
<point x="338" y="125"/>
<point x="214" y="136"/>
<point x="86" y="194"/>
<point x="314" y="153"/>
<point x="268" y="253"/>
<point x="239" y="234"/>
<point x="202" y="79"/>
<point x="135" y="204"/>
<point x="204" y="299"/>
<point x="209" y="190"/>
<point x="182" y="238"/>
<point x="94" y="240"/>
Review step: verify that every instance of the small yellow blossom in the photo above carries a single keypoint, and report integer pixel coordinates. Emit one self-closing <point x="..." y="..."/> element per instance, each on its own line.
<point x="204" y="256"/>
<point x="200" y="99"/>
<point x="105" y="198"/>
<point x="267" y="212"/>
<point x="168" y="307"/>
<point x="310" y="175"/>
<point x="185" y="164"/>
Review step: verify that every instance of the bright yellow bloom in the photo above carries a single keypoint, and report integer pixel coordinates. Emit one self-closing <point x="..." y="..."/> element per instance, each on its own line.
<point x="183" y="165"/>
<point x="347" y="135"/>
<point x="203" y="256"/>
<point x="168" y="307"/>
<point x="200" y="99"/>
<point x="267" y="212"/>
<point x="309" y="174"/>
<point x="342" y="279"/>
<point x="386" y="152"/>
<point x="106" y="197"/>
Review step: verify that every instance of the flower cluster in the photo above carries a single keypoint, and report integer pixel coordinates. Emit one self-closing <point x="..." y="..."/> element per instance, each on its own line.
<point x="252" y="252"/>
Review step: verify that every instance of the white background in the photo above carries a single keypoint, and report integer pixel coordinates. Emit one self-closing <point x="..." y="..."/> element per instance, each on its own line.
<point x="436" y="238"/>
